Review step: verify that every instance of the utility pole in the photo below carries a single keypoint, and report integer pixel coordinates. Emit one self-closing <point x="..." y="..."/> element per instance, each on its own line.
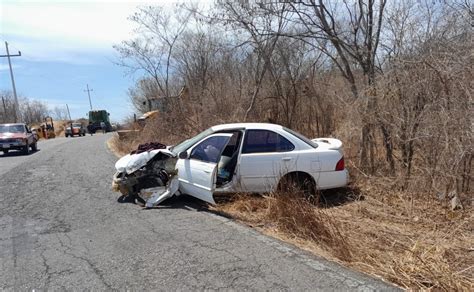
<point x="69" y="114"/>
<point x="17" y="108"/>
<point x="4" y="110"/>
<point x="89" y="94"/>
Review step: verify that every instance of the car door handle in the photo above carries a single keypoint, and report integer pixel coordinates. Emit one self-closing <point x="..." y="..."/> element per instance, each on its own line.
<point x="207" y="171"/>
<point x="286" y="158"/>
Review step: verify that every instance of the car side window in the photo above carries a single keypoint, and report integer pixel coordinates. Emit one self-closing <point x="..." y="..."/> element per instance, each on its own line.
<point x="210" y="149"/>
<point x="261" y="141"/>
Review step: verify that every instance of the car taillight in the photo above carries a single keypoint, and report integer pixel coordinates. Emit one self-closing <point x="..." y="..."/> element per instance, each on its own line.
<point x="340" y="164"/>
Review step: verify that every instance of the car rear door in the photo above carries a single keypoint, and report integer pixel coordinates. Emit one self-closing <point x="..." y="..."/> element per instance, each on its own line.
<point x="197" y="173"/>
<point x="265" y="157"/>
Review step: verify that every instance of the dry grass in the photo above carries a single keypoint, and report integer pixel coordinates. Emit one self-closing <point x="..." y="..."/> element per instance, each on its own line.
<point x="292" y="214"/>
<point x="121" y="147"/>
<point x="124" y="141"/>
<point x="408" y="240"/>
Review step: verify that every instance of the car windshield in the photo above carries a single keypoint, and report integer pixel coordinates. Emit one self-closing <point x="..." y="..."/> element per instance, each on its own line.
<point x="185" y="145"/>
<point x="12" y="129"/>
<point x="301" y="137"/>
<point x="76" y="125"/>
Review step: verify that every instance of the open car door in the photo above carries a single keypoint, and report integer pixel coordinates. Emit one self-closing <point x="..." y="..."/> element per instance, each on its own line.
<point x="198" y="172"/>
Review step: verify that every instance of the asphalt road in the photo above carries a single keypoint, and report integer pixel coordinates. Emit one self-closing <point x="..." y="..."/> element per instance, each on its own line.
<point x="62" y="228"/>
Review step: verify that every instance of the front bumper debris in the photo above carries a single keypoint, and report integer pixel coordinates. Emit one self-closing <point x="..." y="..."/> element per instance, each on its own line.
<point x="149" y="177"/>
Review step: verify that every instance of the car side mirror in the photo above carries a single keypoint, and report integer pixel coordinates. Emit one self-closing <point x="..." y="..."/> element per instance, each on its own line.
<point x="183" y="155"/>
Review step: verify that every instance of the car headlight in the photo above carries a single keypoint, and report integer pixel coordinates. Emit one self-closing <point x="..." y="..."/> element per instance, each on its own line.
<point x="20" y="140"/>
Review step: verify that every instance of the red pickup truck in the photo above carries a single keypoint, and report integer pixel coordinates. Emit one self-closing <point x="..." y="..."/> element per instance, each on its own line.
<point x="17" y="137"/>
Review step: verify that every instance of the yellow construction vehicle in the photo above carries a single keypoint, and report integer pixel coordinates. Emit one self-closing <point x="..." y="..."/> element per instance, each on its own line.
<point x="46" y="129"/>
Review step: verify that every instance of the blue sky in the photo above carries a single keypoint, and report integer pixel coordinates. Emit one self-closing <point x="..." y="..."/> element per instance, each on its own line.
<point x="66" y="45"/>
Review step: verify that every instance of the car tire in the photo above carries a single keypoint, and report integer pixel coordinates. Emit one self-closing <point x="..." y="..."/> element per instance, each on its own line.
<point x="34" y="147"/>
<point x="26" y="149"/>
<point x="301" y="183"/>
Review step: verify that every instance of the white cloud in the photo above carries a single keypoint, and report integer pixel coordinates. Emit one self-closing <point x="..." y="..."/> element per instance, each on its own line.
<point x="65" y="30"/>
<point x="87" y="23"/>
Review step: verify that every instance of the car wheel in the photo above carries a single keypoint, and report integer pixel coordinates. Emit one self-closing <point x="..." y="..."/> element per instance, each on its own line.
<point x="299" y="183"/>
<point x="26" y="149"/>
<point x="34" y="147"/>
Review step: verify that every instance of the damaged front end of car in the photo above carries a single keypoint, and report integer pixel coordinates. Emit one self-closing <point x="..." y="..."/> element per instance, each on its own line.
<point x="147" y="178"/>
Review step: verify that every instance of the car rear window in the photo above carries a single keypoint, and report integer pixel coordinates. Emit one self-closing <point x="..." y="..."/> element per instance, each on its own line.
<point x="301" y="137"/>
<point x="261" y="141"/>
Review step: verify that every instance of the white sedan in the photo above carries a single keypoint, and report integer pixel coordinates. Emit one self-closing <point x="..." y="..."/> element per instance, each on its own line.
<point x="242" y="157"/>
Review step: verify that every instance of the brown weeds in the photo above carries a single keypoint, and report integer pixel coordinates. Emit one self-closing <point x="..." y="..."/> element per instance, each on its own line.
<point x="121" y="147"/>
<point x="403" y="238"/>
<point x="297" y="216"/>
<point x="291" y="214"/>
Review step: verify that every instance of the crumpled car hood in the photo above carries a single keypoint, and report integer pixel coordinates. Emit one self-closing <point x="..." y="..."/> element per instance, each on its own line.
<point x="131" y="163"/>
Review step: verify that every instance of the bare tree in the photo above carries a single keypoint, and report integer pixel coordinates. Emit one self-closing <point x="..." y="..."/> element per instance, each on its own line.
<point x="60" y="113"/>
<point x="395" y="73"/>
<point x="7" y="106"/>
<point x="33" y="111"/>
<point x="145" y="89"/>
<point x="349" y="34"/>
<point x="152" y="49"/>
<point x="257" y="26"/>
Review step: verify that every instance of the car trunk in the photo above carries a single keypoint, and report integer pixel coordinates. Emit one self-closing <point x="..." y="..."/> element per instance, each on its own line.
<point x="329" y="143"/>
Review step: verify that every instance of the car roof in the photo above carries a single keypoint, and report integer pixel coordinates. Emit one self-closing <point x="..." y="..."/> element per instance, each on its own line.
<point x="265" y="126"/>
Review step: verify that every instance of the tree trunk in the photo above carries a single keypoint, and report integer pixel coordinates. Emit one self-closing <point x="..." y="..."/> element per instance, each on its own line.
<point x="387" y="139"/>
